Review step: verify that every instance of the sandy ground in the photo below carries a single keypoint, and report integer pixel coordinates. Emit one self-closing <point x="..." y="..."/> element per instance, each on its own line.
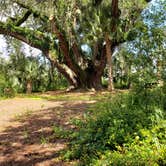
<point x="25" y="125"/>
<point x="12" y="108"/>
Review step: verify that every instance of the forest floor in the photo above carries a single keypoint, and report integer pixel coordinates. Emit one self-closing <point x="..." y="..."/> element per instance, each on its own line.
<point x="27" y="126"/>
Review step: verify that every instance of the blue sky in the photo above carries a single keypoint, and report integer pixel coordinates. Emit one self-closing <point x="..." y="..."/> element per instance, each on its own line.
<point x="155" y="14"/>
<point x="2" y="46"/>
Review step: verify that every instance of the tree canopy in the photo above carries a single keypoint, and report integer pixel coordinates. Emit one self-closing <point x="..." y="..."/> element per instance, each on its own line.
<point x="60" y="28"/>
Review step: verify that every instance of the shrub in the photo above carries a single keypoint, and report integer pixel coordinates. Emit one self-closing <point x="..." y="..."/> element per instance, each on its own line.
<point x="125" y="130"/>
<point x="8" y="92"/>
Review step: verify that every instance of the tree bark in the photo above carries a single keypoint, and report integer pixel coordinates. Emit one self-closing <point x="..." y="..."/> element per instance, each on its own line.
<point x="94" y="81"/>
<point x="29" y="87"/>
<point x="96" y="68"/>
<point x="109" y="44"/>
<point x="109" y="62"/>
<point x="62" y="68"/>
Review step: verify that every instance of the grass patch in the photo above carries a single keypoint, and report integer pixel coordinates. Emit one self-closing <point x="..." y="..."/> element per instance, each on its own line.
<point x="85" y="96"/>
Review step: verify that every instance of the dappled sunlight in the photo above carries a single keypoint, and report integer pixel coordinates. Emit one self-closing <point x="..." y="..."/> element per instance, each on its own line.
<point x="33" y="141"/>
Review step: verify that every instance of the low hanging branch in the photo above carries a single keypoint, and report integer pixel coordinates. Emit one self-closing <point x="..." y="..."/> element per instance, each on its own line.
<point x="34" y="38"/>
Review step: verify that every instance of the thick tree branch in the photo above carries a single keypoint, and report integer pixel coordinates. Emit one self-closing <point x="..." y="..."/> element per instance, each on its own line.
<point x="77" y="54"/>
<point x="33" y="38"/>
<point x="64" y="47"/>
<point x="62" y="68"/>
<point x="101" y="62"/>
<point x="114" y="9"/>
<point x="115" y="15"/>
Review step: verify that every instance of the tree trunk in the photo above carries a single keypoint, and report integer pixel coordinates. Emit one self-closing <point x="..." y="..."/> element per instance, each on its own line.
<point x="91" y="81"/>
<point x="91" y="77"/>
<point x="82" y="79"/>
<point x="29" y="87"/>
<point x="94" y="81"/>
<point x="109" y="62"/>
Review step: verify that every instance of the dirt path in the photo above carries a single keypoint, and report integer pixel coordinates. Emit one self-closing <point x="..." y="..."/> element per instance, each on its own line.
<point x="13" y="108"/>
<point x="26" y="127"/>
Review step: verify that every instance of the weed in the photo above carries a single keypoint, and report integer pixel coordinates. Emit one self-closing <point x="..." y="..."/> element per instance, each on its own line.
<point x="25" y="134"/>
<point x="43" y="140"/>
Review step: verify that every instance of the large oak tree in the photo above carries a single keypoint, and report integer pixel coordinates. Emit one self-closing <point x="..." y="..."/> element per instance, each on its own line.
<point x="62" y="28"/>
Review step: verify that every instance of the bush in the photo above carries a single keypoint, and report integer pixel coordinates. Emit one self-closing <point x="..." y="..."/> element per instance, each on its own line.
<point x="128" y="129"/>
<point x="9" y="92"/>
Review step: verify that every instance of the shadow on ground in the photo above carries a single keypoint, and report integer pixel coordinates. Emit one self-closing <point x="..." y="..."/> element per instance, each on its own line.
<point x="26" y="143"/>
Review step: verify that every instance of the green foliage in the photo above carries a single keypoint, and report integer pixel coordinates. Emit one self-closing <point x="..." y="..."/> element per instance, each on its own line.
<point x="128" y="129"/>
<point x="2" y="83"/>
<point x="147" y="148"/>
<point x="19" y="69"/>
<point x="84" y="22"/>
<point x="6" y="88"/>
<point x="59" y="132"/>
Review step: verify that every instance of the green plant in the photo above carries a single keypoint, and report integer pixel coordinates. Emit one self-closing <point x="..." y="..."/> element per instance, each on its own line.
<point x="127" y="128"/>
<point x="59" y="132"/>
<point x="43" y="140"/>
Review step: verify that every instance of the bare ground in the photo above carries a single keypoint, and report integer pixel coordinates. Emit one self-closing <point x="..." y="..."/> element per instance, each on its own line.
<point x="25" y="125"/>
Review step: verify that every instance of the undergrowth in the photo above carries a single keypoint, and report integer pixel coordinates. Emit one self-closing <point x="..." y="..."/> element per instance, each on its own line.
<point x="127" y="129"/>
